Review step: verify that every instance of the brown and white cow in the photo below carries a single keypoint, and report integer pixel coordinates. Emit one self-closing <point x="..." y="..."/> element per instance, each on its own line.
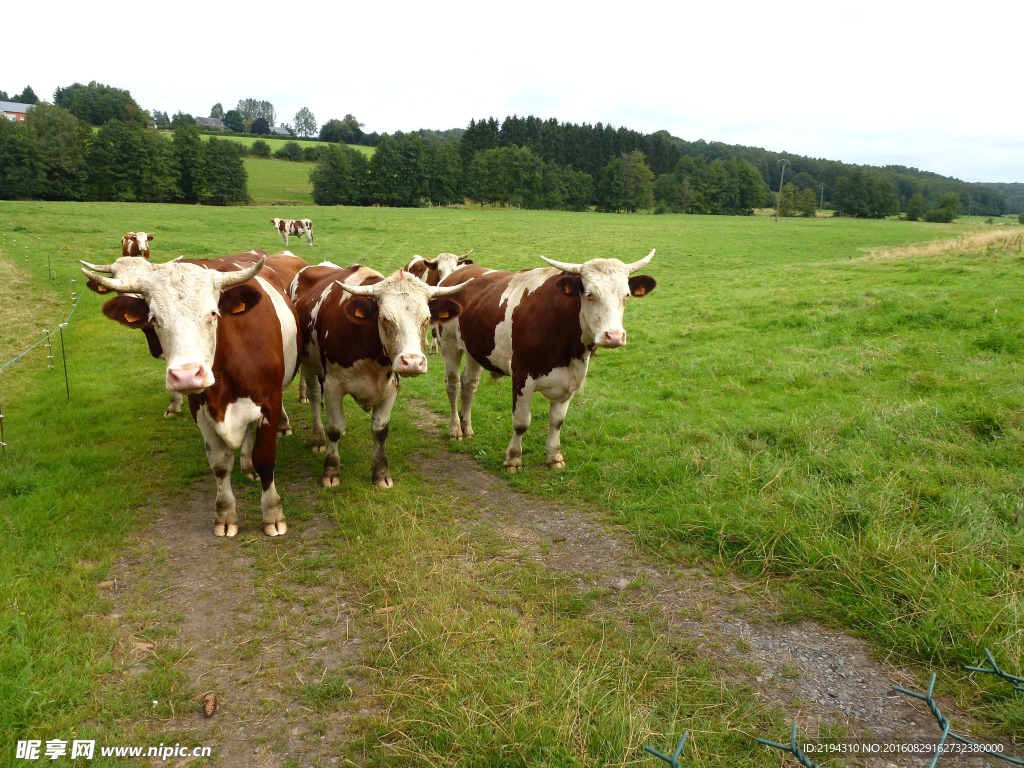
<point x="296" y="227"/>
<point x="136" y="244"/>
<point x="360" y="333"/>
<point x="541" y="327"/>
<point x="208" y="323"/>
<point x="432" y="272"/>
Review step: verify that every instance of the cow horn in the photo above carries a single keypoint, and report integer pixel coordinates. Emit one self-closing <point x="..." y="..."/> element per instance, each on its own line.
<point x="565" y="266"/>
<point x="113" y="283"/>
<point x="465" y="256"/>
<point x="229" y="279"/>
<point x="448" y="290"/>
<point x="98" y="267"/>
<point x="638" y="265"/>
<point x="357" y="290"/>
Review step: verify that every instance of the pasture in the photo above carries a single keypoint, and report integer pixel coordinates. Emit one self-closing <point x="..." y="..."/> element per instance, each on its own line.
<point x="279" y="182"/>
<point x="276" y="142"/>
<point x="802" y="438"/>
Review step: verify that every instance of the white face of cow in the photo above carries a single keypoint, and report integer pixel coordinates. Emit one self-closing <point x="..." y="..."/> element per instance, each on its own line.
<point x="603" y="302"/>
<point x="182" y="303"/>
<point x="404" y="311"/>
<point x="136" y="244"/>
<point x="604" y="286"/>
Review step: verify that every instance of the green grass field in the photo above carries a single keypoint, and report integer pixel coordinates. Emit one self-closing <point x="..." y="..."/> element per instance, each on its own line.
<point x="277" y="142"/>
<point x="787" y="407"/>
<point x="278" y="182"/>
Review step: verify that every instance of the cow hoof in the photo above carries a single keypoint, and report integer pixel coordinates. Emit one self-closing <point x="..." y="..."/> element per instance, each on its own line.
<point x="303" y="399"/>
<point x="171" y="412"/>
<point x="232" y="529"/>
<point x="218" y="529"/>
<point x="330" y="481"/>
<point x="454" y="434"/>
<point x="512" y="465"/>
<point x="251" y="475"/>
<point x="384" y="482"/>
<point x="225" y="529"/>
<point x="319" y="446"/>
<point x="467" y="432"/>
<point x="557" y="462"/>
<point x="275" y="529"/>
<point x="284" y="431"/>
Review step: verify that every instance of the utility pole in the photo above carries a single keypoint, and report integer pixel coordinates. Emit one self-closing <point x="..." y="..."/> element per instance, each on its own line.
<point x="778" y="203"/>
<point x="821" y="205"/>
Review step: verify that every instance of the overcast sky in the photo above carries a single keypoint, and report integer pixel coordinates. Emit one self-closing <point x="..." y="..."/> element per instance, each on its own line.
<point x="871" y="82"/>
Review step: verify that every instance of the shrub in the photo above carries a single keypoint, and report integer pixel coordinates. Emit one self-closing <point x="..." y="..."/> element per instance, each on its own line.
<point x="947" y="209"/>
<point x="1020" y="218"/>
<point x="261" y="126"/>
<point x="223" y="178"/>
<point x="290" y="151"/>
<point x="917" y="207"/>
<point x="311" y="154"/>
<point x="259" y="148"/>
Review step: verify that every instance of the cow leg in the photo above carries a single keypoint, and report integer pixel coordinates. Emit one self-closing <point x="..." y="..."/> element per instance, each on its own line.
<point x="319" y="438"/>
<point x="556" y="418"/>
<point x="303" y="397"/>
<point x="470" y="381"/>
<point x="245" y="455"/>
<point x="285" y="426"/>
<point x="333" y="393"/>
<point x="264" y="459"/>
<point x="380" y="423"/>
<point x="174" y="404"/>
<point x="451" y="354"/>
<point x="434" y="346"/>
<point x="522" y="397"/>
<point x="222" y="458"/>
<point x="285" y="236"/>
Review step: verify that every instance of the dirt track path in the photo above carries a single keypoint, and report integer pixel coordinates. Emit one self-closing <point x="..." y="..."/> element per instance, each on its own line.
<point x="267" y="643"/>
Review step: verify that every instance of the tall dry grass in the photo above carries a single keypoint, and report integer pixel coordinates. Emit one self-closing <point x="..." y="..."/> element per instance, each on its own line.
<point x="1009" y="239"/>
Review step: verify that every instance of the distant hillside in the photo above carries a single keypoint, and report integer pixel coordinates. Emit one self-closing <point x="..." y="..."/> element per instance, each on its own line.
<point x="1013" y="193"/>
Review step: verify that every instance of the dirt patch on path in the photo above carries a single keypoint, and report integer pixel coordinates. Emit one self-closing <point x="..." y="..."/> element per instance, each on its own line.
<point x="246" y="636"/>
<point x="823" y="678"/>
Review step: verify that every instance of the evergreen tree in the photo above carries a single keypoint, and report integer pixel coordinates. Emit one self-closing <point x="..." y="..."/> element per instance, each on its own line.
<point x="27" y="96"/>
<point x="611" y="192"/>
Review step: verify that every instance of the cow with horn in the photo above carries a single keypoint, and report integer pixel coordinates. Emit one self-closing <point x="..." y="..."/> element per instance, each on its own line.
<point x="541" y="327"/>
<point x="433" y="271"/>
<point x="360" y="333"/>
<point x="207" y="323"/>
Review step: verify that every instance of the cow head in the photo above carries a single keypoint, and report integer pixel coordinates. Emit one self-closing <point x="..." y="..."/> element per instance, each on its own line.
<point x="136" y="244"/>
<point x="603" y="286"/>
<point x="182" y="303"/>
<point x="446" y="263"/>
<point x="277" y="224"/>
<point x="403" y="307"/>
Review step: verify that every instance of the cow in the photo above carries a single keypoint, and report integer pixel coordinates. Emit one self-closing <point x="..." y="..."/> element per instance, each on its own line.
<point x="206" y="324"/>
<point x="286" y="264"/>
<point x="433" y="271"/>
<point x="539" y="326"/>
<point x="136" y="244"/>
<point x="360" y="333"/>
<point x="286" y="227"/>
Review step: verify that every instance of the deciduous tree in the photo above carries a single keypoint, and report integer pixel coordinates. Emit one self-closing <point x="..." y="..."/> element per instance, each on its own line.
<point x="305" y="122"/>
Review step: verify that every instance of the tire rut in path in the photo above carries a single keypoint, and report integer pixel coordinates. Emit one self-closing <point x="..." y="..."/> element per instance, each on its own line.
<point x="815" y="674"/>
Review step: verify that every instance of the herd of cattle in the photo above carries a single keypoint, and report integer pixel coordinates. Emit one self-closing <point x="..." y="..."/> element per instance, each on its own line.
<point x="234" y="331"/>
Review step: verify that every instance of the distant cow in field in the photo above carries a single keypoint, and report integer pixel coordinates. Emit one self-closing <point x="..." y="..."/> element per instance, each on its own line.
<point x="360" y="332"/>
<point x="206" y="325"/>
<point x="433" y="271"/>
<point x="296" y="227"/>
<point x="541" y="327"/>
<point x="136" y="244"/>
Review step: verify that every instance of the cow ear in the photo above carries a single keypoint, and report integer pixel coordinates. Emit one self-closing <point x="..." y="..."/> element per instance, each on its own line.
<point x="92" y="285"/>
<point x="155" y="348"/>
<point x="444" y="309"/>
<point x="570" y="285"/>
<point x="464" y="262"/>
<point x="241" y="298"/>
<point x="430" y="264"/>
<point x="128" y="310"/>
<point x="641" y="285"/>
<point x="360" y="309"/>
<point x="149" y="237"/>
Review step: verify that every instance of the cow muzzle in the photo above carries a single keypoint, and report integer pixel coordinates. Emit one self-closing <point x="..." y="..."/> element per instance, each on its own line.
<point x="612" y="339"/>
<point x="410" y="364"/>
<point x="189" y="379"/>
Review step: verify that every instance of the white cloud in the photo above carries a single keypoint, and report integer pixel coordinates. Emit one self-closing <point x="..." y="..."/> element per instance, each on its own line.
<point x="875" y="82"/>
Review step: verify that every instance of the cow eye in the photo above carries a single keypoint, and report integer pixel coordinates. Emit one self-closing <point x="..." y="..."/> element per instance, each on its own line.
<point x="590" y="295"/>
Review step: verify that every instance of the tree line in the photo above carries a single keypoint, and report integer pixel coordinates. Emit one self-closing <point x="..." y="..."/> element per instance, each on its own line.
<point x="53" y="155"/>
